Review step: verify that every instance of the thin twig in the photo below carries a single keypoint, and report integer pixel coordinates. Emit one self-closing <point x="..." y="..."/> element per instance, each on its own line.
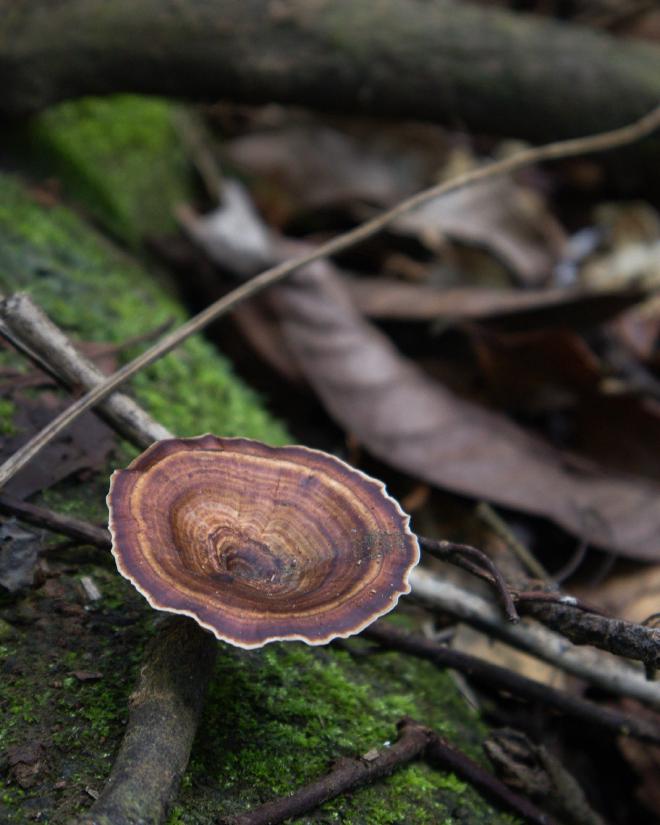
<point x="554" y="597"/>
<point x="461" y="555"/>
<point x="622" y="638"/>
<point x="594" y="666"/>
<point x="440" y="752"/>
<point x="488" y="515"/>
<point x="579" y="622"/>
<point x="345" y="775"/>
<point x="75" y="528"/>
<point x="415" y="740"/>
<point x="495" y="677"/>
<point x="22" y="347"/>
<point x="536" y="772"/>
<point x="32" y="331"/>
<point x="552" y="151"/>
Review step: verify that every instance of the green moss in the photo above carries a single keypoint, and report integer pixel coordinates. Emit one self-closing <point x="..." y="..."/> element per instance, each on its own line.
<point x="42" y="700"/>
<point x="96" y="293"/>
<point x="275" y="718"/>
<point x="452" y="783"/>
<point x="7" y="410"/>
<point x="6" y="632"/>
<point x="120" y="157"/>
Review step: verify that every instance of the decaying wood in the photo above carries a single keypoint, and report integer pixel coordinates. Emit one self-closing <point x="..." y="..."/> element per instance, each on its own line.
<point x="627" y="639"/>
<point x="164" y="711"/>
<point x="484" y="69"/>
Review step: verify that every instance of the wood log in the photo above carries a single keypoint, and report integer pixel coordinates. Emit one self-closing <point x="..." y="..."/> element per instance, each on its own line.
<point x="483" y="69"/>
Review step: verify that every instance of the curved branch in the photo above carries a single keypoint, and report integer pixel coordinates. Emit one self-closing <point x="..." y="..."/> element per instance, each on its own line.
<point x="486" y="69"/>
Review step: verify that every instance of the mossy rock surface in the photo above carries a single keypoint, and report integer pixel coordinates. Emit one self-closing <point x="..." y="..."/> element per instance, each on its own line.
<point x="121" y="158"/>
<point x="275" y="718"/>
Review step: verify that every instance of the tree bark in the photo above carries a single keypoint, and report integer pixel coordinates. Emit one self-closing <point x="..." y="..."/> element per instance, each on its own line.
<point x="164" y="711"/>
<point x="487" y="70"/>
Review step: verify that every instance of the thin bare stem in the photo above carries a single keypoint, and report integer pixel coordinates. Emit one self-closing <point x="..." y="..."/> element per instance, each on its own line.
<point x="76" y="529"/>
<point x="534" y="567"/>
<point x="32" y="332"/>
<point x="477" y="563"/>
<point x="552" y="151"/>
<point x="415" y="740"/>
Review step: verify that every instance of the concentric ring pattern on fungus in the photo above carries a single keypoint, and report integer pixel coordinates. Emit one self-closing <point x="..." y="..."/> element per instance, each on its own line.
<point x="259" y="543"/>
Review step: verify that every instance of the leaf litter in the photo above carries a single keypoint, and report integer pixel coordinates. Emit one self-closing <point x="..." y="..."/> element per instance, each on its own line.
<point x="421" y="427"/>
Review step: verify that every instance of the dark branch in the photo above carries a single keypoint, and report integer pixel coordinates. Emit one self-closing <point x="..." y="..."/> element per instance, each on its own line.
<point x="346" y="775"/>
<point x="440" y="753"/>
<point x="415" y="740"/>
<point x="441" y="61"/>
<point x="474" y="561"/>
<point x="498" y="678"/>
<point x="633" y="641"/>
<point x="74" y="528"/>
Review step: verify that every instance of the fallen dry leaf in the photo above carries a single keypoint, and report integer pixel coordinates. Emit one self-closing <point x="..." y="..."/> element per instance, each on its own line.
<point x="261" y="328"/>
<point x="85" y="445"/>
<point x="313" y="166"/>
<point x="426" y="430"/>
<point x="554" y="369"/>
<point x="421" y="427"/>
<point x="501" y="215"/>
<point x="26" y="762"/>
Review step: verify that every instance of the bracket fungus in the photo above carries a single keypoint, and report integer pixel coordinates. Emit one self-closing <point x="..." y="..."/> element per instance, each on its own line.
<point x="257" y="543"/>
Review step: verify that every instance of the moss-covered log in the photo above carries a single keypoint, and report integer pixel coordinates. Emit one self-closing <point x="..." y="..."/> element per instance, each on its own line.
<point x="274" y="718"/>
<point x="489" y="70"/>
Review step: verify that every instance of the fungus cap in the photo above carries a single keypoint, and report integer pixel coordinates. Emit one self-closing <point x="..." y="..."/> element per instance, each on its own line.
<point x="257" y="543"/>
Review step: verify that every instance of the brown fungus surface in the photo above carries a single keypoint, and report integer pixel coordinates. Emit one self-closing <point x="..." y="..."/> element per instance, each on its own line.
<point x="259" y="543"/>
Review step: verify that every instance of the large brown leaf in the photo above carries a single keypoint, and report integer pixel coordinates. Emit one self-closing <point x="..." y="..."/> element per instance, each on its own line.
<point x="421" y="427"/>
